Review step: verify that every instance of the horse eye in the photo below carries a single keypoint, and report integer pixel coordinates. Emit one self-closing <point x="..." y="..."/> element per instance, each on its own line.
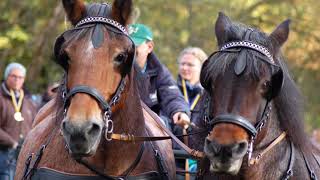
<point x="121" y="58"/>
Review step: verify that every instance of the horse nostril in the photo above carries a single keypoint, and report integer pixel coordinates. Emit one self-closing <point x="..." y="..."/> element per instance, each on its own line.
<point x="241" y="148"/>
<point x="94" y="130"/>
<point x="213" y="147"/>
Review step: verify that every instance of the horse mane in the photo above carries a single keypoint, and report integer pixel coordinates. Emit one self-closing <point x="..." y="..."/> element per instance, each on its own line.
<point x="289" y="102"/>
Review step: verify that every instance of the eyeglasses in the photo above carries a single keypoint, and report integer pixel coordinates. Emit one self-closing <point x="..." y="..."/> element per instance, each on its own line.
<point x="16" y="77"/>
<point x="187" y="64"/>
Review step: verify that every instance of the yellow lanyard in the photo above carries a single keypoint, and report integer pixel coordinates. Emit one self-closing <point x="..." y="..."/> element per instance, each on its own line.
<point x="17" y="105"/>
<point x="185" y="94"/>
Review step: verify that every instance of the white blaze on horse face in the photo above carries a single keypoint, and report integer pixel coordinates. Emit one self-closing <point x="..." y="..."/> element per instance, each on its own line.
<point x="89" y="49"/>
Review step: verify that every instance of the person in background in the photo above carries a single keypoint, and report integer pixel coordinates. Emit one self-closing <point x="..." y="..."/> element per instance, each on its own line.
<point x="190" y="62"/>
<point x="17" y="112"/>
<point x="162" y="93"/>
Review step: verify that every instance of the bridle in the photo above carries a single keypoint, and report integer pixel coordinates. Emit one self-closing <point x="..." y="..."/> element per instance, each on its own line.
<point x="253" y="130"/>
<point x="105" y="105"/>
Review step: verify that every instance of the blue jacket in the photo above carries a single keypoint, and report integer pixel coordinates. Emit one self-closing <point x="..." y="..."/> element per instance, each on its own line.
<point x="160" y="91"/>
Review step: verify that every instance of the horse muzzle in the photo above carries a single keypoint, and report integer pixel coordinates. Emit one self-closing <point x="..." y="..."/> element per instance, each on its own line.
<point x="225" y="158"/>
<point x="82" y="137"/>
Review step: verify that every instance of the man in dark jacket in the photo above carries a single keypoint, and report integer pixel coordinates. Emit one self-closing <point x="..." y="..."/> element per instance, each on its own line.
<point x="17" y="112"/>
<point x="163" y="95"/>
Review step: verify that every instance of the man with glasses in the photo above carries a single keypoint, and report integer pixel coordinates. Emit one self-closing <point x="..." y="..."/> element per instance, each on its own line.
<point x="17" y="112"/>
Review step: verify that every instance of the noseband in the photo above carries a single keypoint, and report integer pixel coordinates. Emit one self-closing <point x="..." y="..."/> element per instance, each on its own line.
<point x="105" y="105"/>
<point x="253" y="130"/>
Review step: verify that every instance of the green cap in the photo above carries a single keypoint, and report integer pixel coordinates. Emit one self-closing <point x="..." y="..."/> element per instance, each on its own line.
<point x="140" y="33"/>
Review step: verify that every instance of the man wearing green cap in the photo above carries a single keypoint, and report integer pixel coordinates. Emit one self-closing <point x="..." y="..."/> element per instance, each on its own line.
<point x="163" y="95"/>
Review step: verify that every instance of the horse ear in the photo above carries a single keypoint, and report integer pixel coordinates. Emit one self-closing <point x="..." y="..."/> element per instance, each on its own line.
<point x="75" y="10"/>
<point x="280" y="34"/>
<point x="222" y="28"/>
<point x="277" y="81"/>
<point x="121" y="11"/>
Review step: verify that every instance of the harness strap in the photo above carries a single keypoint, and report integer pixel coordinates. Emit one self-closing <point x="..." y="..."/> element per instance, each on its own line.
<point x="26" y="168"/>
<point x="289" y="172"/>
<point x="318" y="162"/>
<point x="136" y="161"/>
<point x="193" y="152"/>
<point x="161" y="167"/>
<point x="274" y="142"/>
<point x="311" y="172"/>
<point x="28" y="171"/>
<point x="133" y="138"/>
<point x="123" y="176"/>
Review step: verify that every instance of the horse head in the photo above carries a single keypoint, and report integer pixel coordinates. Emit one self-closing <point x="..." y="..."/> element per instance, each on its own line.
<point x="96" y="54"/>
<point x="242" y="78"/>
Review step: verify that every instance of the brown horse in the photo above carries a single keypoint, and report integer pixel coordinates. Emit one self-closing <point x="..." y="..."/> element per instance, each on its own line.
<point x="72" y="136"/>
<point x="253" y="109"/>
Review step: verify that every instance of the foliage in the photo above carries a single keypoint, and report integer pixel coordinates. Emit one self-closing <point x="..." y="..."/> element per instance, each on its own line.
<point x="28" y="30"/>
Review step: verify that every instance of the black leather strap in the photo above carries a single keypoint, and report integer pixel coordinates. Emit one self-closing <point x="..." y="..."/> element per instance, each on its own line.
<point x="318" y="162"/>
<point x="90" y="91"/>
<point x="235" y="119"/>
<point x="310" y="170"/>
<point x="105" y="176"/>
<point x="289" y="172"/>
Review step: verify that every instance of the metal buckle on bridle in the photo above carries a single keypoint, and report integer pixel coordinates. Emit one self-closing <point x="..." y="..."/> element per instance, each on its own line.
<point x="250" y="149"/>
<point x="108" y="125"/>
<point x="64" y="112"/>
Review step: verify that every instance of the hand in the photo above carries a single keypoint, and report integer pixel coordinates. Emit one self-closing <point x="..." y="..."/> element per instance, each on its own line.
<point x="181" y="119"/>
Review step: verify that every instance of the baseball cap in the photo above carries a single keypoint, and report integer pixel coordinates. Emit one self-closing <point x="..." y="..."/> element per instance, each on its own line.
<point x="140" y="33"/>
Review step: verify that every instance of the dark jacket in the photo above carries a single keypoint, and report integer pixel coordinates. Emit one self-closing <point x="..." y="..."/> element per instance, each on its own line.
<point x="10" y="129"/>
<point x="160" y="91"/>
<point x="196" y="112"/>
<point x="192" y="90"/>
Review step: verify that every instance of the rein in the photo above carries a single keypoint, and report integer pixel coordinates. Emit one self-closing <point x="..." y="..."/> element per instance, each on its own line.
<point x="196" y="154"/>
<point x="268" y="148"/>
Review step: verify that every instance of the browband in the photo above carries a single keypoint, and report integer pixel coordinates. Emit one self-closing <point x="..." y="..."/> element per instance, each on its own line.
<point x="251" y="45"/>
<point x="103" y="20"/>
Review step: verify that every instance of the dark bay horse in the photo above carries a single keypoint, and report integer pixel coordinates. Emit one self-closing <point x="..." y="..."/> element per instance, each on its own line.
<point x="73" y="136"/>
<point x="253" y="109"/>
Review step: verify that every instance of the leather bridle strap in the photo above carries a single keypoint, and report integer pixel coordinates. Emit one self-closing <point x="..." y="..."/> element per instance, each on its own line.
<point x="192" y="152"/>
<point x="105" y="106"/>
<point x="235" y="119"/>
<point x="90" y="91"/>
<point x="274" y="143"/>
